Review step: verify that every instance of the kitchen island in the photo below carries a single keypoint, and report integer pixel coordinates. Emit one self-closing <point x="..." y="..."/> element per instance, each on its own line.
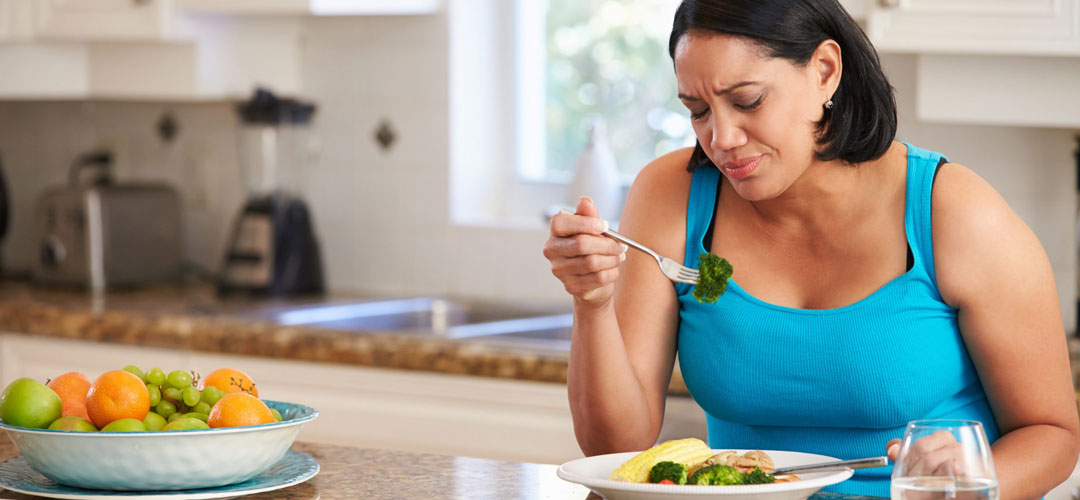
<point x="348" y="472"/>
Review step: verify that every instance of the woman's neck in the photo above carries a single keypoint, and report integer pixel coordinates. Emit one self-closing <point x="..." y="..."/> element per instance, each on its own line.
<point x="827" y="197"/>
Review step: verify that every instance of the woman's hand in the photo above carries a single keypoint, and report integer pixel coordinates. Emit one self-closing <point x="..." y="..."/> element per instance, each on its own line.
<point x="935" y="455"/>
<point x="582" y="258"/>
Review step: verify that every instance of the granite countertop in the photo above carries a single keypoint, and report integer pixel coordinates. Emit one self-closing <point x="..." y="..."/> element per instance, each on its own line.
<point x="348" y="472"/>
<point x="195" y="318"/>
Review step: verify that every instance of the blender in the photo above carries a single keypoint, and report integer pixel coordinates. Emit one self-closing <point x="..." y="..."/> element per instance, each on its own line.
<point x="273" y="249"/>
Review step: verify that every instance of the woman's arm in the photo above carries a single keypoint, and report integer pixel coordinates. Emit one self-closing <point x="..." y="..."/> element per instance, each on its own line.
<point x="992" y="268"/>
<point x="623" y="348"/>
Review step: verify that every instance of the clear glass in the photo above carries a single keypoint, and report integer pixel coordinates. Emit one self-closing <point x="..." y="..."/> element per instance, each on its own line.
<point x="944" y="459"/>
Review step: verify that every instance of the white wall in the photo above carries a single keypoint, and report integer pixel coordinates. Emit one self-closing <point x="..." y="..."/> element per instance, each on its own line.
<point x="382" y="216"/>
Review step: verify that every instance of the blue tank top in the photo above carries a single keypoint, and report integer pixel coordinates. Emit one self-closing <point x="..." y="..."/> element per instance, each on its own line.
<point x="838" y="382"/>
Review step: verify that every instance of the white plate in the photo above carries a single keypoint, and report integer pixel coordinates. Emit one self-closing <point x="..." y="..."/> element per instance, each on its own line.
<point x="593" y="473"/>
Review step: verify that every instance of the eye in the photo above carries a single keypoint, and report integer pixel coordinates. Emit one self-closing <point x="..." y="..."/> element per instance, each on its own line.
<point x="752" y="106"/>
<point x="699" y="115"/>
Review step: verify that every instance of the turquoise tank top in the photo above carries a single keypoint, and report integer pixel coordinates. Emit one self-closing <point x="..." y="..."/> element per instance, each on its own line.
<point x="838" y="382"/>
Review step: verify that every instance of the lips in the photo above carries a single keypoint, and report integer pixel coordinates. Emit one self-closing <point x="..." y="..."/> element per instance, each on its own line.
<point x="741" y="167"/>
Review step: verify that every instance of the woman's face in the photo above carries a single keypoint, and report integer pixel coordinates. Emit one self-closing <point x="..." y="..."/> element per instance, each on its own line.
<point x="753" y="115"/>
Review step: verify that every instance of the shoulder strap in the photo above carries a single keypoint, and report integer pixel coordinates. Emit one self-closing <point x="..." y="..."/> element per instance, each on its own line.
<point x="699" y="210"/>
<point x="921" y="171"/>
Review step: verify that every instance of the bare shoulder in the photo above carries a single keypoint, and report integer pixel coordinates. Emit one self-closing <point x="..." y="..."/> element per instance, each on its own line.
<point x="655" y="211"/>
<point x="979" y="241"/>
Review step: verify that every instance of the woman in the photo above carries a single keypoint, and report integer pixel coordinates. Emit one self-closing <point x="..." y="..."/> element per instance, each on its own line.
<point x="875" y="282"/>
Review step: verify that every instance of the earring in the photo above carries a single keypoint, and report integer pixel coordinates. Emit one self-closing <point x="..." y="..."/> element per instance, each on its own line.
<point x="829" y="104"/>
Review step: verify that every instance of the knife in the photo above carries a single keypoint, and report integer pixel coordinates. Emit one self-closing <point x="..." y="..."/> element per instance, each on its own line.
<point x="858" y="463"/>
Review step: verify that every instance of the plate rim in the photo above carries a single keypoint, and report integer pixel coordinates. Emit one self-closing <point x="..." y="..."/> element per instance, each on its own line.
<point x="164" y="494"/>
<point x="694" y="490"/>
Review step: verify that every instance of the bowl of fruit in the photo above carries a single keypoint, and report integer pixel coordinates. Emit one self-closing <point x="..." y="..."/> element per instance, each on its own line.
<point x="130" y="430"/>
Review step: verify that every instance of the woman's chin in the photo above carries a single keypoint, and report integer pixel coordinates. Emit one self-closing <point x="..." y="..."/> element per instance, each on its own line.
<point x="754" y="190"/>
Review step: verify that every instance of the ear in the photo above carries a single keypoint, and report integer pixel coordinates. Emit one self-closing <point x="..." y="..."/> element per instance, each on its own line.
<point x="826" y="66"/>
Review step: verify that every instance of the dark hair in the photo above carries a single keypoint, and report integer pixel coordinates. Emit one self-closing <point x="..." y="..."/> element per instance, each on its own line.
<point x="862" y="124"/>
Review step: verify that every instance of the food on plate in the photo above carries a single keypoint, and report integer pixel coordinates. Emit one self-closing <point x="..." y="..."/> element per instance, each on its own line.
<point x="691" y="461"/>
<point x="668" y="471"/>
<point x="687" y="451"/>
<point x="716" y="474"/>
<point x="714" y="273"/>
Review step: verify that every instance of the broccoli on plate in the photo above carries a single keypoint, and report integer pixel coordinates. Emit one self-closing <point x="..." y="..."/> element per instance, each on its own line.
<point x="758" y="476"/>
<point x="716" y="474"/>
<point x="673" y="471"/>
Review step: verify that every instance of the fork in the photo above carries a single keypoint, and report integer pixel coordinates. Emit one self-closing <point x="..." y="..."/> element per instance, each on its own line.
<point x="672" y="269"/>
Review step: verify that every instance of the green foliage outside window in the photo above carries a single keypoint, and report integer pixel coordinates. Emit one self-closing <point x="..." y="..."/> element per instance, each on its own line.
<point x="608" y="59"/>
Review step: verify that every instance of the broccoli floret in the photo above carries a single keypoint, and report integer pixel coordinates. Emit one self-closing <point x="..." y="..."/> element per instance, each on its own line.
<point x="758" y="476"/>
<point x="713" y="278"/>
<point x="716" y="474"/>
<point x="674" y="471"/>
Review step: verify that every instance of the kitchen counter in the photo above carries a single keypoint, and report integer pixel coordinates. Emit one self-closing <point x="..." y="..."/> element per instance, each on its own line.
<point x="194" y="318"/>
<point x="348" y="472"/>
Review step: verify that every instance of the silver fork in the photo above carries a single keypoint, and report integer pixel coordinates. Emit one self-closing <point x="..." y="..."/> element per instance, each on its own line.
<point x="672" y="269"/>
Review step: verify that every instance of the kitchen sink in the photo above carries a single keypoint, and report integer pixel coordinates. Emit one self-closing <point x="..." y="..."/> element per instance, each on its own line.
<point x="448" y="318"/>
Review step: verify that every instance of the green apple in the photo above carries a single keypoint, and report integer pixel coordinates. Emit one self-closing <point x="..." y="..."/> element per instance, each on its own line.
<point x="124" y="425"/>
<point x="72" y="423"/>
<point x="185" y="424"/>
<point x="29" y="403"/>
<point x="154" y="422"/>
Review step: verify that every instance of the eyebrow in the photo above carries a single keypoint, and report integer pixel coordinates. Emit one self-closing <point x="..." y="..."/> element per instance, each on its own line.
<point x="721" y="92"/>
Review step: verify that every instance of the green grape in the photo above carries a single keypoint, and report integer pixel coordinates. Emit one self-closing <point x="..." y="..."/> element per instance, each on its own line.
<point x="156" y="376"/>
<point x="191" y="396"/>
<point x="172" y="394"/>
<point x="277" y="414"/>
<point x="155" y="394"/>
<point x="154" y="422"/>
<point x="201" y="416"/>
<point x="175" y="416"/>
<point x="211" y="395"/>
<point x="165" y="408"/>
<point x="203" y="407"/>
<point x="134" y="370"/>
<point x="179" y="379"/>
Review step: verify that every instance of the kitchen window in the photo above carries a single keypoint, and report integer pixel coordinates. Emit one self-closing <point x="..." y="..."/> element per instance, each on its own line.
<point x="589" y="60"/>
<point x="531" y="89"/>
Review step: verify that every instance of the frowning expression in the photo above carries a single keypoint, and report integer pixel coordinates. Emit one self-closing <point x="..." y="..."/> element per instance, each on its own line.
<point x="753" y="115"/>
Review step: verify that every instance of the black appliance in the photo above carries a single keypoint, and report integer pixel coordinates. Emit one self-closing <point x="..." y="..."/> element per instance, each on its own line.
<point x="273" y="248"/>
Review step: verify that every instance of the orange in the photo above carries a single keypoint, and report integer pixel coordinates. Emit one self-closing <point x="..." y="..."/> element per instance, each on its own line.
<point x="230" y="380"/>
<point x="238" y="409"/>
<point x="115" y="395"/>
<point x="72" y="388"/>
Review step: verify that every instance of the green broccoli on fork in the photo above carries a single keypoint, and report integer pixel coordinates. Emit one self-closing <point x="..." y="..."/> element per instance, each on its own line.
<point x="714" y="273"/>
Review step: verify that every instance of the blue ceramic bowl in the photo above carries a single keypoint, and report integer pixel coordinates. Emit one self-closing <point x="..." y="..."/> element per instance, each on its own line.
<point x="174" y="460"/>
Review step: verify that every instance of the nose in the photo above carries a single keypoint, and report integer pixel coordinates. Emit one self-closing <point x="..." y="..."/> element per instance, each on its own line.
<point x="726" y="134"/>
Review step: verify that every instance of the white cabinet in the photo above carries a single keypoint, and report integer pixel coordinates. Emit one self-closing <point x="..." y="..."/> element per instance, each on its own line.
<point x="366" y="407"/>
<point x="90" y="20"/>
<point x="1020" y="27"/>
<point x="316" y="7"/>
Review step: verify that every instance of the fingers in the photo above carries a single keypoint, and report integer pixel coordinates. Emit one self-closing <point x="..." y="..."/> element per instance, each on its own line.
<point x="585" y="207"/>
<point x="936" y="454"/>
<point x="586" y="264"/>
<point x="567" y="224"/>
<point x="892" y="449"/>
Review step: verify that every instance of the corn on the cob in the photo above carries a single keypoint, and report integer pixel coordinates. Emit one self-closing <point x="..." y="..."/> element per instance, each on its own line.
<point x="687" y="451"/>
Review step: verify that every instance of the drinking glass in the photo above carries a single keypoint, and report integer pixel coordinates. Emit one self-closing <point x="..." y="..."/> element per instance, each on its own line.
<point x="944" y="460"/>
